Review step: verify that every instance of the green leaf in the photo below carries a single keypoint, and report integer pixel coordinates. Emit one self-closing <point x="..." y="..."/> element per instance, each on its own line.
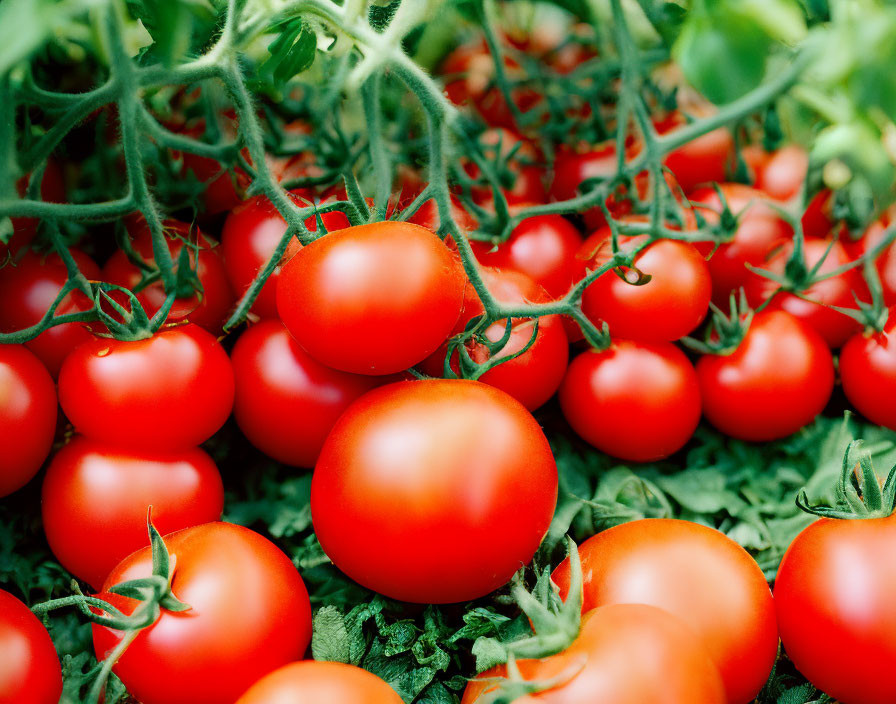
<point x="292" y="51"/>
<point x="330" y="639"/>
<point x="176" y="26"/>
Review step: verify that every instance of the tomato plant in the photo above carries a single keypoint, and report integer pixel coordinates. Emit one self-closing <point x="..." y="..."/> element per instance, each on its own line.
<point x="412" y="451"/>
<point x="29" y="668"/>
<point x="310" y="682"/>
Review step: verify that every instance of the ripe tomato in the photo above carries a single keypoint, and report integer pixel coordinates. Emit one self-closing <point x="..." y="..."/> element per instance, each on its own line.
<point x="572" y="169"/>
<point x="311" y="682"/>
<point x="637" y="401"/>
<point x="778" y="379"/>
<point x="29" y="668"/>
<point x="624" y="654"/>
<point x="835" y="327"/>
<point x="760" y="229"/>
<point x="666" y="308"/>
<point x="250" y="615"/>
<point x="515" y="161"/>
<point x="868" y="373"/>
<point x="834" y="599"/>
<point x="52" y="190"/>
<point x="722" y="595"/>
<point x="532" y="377"/>
<point x="373" y="299"/>
<point x="168" y="392"/>
<point x="703" y="160"/>
<point x="28" y="289"/>
<point x="886" y="259"/>
<point x="27" y="416"/>
<point x="251" y="233"/>
<point x="95" y="498"/>
<point x="415" y="476"/>
<point x="277" y="382"/>
<point x="783" y="174"/>
<point x="207" y="309"/>
<point x="544" y="247"/>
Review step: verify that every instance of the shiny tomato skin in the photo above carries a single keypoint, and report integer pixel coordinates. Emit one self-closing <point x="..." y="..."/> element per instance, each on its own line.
<point x="624" y="654"/>
<point x="722" y="596"/>
<point x="250" y="235"/>
<point x="27" y="416"/>
<point x="868" y="373"/>
<point x="835" y="327"/>
<point x="543" y="247"/>
<point x="29" y="669"/>
<point x="95" y="497"/>
<point x="415" y="476"/>
<point x="535" y="375"/>
<point x="278" y="382"/>
<point x="834" y="599"/>
<point x="311" y="682"/>
<point x="207" y="309"/>
<point x="373" y="299"/>
<point x="167" y="392"/>
<point x="28" y="288"/>
<point x="760" y="229"/>
<point x="637" y="401"/>
<point x="250" y="615"/>
<point x="664" y="309"/>
<point x="778" y="379"/>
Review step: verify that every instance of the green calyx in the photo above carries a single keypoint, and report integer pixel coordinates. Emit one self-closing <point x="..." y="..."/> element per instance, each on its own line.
<point x="127" y="323"/>
<point x="725" y="332"/>
<point x="859" y="493"/>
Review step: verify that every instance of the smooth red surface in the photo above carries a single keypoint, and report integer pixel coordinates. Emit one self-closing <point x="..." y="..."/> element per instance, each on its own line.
<point x="698" y="575"/>
<point x="572" y="169"/>
<point x="783" y="173"/>
<point x="250" y="615"/>
<point x="637" y="401"/>
<point x="170" y="391"/>
<point x="669" y="306"/>
<point x="287" y="402"/>
<point x="373" y="299"/>
<point x="95" y="497"/>
<point x="836" y="613"/>
<point x="624" y="654"/>
<point x="29" y="667"/>
<point x="27" y="416"/>
<point x="868" y="374"/>
<point x="313" y="682"/>
<point x="433" y="491"/>
<point x="207" y="309"/>
<point x="778" y="379"/>
<point x="706" y="159"/>
<point x="28" y="288"/>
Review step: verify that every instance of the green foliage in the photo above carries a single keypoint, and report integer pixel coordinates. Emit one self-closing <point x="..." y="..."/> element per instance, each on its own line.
<point x="292" y="51"/>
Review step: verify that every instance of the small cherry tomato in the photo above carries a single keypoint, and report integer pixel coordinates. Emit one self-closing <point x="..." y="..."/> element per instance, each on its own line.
<point x="784" y="172"/>
<point x="95" y="497"/>
<point x="778" y="379"/>
<point x="868" y="373"/>
<point x="706" y="159"/>
<point x="637" y="401"/>
<point x="27" y="416"/>
<point x="312" y="682"/>
<point x="413" y="479"/>
<point x="168" y="392"/>
<point x="573" y="169"/>
<point x="29" y="668"/>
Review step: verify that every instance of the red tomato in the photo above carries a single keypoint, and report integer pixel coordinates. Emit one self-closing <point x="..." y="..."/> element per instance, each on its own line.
<point x="818" y="218"/>
<point x="29" y="668"/>
<point x="28" y="289"/>
<point x="783" y="174"/>
<point x="637" y="401"/>
<point x="532" y="377"/>
<point x="886" y="259"/>
<point x="703" y="160"/>
<point x="778" y="379"/>
<point x="544" y="247"/>
<point x="722" y="595"/>
<point x="835" y="327"/>
<point x="836" y="614"/>
<point x="427" y="216"/>
<point x="413" y="480"/>
<point x="27" y="416"/>
<point x="868" y="373"/>
<point x="666" y="308"/>
<point x="168" y="392"/>
<point x="624" y="654"/>
<point x="250" y="615"/>
<point x="373" y="299"/>
<point x="278" y="382"/>
<point x="207" y="309"/>
<point x="572" y="169"/>
<point x="312" y="682"/>
<point x="95" y="498"/>
<point x="760" y="229"/>
<point x="52" y="190"/>
<point x="519" y="171"/>
<point x="251" y="234"/>
<point x="755" y="157"/>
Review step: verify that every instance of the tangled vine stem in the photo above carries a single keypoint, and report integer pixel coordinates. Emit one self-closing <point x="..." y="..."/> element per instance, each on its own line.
<point x="381" y="57"/>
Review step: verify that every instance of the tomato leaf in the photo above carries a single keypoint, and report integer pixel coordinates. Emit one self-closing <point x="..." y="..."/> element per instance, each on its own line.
<point x="292" y="51"/>
<point x="330" y="639"/>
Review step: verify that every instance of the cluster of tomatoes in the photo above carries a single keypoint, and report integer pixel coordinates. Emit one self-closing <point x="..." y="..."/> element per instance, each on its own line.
<point x="415" y="472"/>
